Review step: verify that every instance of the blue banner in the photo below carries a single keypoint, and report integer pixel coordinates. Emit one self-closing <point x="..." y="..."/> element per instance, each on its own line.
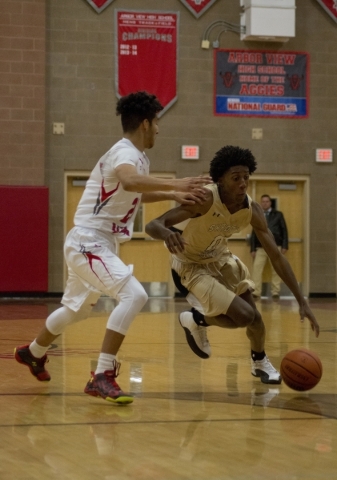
<point x="261" y="84"/>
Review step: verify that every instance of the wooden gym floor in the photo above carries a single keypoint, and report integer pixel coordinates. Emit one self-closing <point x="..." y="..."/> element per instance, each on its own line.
<point x="191" y="418"/>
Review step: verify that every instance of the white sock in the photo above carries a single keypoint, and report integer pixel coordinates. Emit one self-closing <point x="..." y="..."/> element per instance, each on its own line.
<point x="37" y="350"/>
<point x="104" y="362"/>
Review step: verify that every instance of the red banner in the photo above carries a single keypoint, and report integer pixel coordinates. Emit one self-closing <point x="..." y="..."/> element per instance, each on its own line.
<point x="197" y="7"/>
<point x="99" y="5"/>
<point x="330" y="6"/>
<point x="146" y="54"/>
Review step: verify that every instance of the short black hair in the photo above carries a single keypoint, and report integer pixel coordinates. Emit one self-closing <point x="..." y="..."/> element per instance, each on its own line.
<point x="136" y="107"/>
<point x="228" y="157"/>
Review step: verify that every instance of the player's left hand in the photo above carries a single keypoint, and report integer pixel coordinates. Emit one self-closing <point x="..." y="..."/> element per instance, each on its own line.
<point x="175" y="242"/>
<point x="305" y="312"/>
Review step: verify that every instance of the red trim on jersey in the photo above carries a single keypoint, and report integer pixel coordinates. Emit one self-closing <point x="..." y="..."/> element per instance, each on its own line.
<point x="91" y="257"/>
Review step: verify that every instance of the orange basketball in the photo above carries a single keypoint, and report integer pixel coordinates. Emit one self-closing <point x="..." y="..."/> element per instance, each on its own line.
<point x="301" y="369"/>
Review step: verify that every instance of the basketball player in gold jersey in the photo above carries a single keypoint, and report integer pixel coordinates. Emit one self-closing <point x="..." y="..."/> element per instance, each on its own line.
<point x="219" y="284"/>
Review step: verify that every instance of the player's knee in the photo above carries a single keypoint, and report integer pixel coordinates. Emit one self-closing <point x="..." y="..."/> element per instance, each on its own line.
<point x="133" y="292"/>
<point x="141" y="298"/>
<point x="58" y="320"/>
<point x="82" y="313"/>
<point x="246" y="316"/>
<point x="257" y="317"/>
<point x="241" y="312"/>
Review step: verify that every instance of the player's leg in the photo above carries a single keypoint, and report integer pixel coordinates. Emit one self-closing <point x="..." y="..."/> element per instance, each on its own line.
<point x="103" y="269"/>
<point x="208" y="298"/>
<point x="258" y="266"/>
<point x="225" y="306"/>
<point x="94" y="260"/>
<point x="211" y="294"/>
<point x="243" y="313"/>
<point x="77" y="303"/>
<point x="239" y="310"/>
<point x="256" y="333"/>
<point x="275" y="285"/>
<point x="34" y="355"/>
<point x="195" y="333"/>
<point x="131" y="299"/>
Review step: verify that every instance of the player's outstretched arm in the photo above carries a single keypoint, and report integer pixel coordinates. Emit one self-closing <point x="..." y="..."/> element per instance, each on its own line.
<point x="281" y="264"/>
<point x="184" y="198"/>
<point x="133" y="182"/>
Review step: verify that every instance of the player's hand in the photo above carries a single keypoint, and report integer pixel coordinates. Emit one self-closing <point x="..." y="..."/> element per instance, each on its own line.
<point x="175" y="242"/>
<point x="186" y="198"/>
<point x="192" y="184"/>
<point x="305" y="312"/>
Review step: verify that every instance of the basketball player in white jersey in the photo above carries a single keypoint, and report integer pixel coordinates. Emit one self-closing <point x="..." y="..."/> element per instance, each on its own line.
<point x="104" y="218"/>
<point x="219" y="285"/>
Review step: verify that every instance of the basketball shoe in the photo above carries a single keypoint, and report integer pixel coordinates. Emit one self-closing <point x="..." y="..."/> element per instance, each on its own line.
<point x="196" y="335"/>
<point x="104" y="385"/>
<point x="35" y="365"/>
<point x="264" y="369"/>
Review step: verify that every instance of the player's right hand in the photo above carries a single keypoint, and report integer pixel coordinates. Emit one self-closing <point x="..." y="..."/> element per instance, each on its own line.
<point x="305" y="312"/>
<point x="192" y="184"/>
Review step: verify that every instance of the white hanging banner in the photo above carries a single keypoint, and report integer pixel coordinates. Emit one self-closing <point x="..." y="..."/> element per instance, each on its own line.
<point x="197" y="7"/>
<point x="330" y="6"/>
<point x="99" y="5"/>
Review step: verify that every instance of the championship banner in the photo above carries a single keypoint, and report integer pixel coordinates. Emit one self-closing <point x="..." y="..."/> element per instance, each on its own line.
<point x="261" y="84"/>
<point x="99" y="5"/>
<point x="146" y="54"/>
<point x="330" y="6"/>
<point x="197" y="7"/>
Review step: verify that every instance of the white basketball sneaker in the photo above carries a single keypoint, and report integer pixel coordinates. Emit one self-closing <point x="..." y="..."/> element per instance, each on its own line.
<point x="196" y="335"/>
<point x="265" y="370"/>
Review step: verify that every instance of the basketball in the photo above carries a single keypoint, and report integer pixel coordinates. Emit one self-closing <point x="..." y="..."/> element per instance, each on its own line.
<point x="301" y="369"/>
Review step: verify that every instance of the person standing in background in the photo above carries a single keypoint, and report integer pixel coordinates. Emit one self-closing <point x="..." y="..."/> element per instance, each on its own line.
<point x="278" y="227"/>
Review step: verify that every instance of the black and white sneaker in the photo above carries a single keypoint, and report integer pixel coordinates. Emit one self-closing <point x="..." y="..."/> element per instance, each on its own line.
<point x="265" y="370"/>
<point x="196" y="335"/>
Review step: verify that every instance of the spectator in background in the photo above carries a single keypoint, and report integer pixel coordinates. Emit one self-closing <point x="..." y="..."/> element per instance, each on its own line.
<point x="278" y="228"/>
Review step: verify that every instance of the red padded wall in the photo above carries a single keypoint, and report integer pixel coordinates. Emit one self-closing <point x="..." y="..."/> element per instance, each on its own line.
<point x="23" y="239"/>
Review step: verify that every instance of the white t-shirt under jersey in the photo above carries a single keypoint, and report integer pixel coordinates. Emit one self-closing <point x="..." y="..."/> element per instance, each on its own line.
<point x="105" y="205"/>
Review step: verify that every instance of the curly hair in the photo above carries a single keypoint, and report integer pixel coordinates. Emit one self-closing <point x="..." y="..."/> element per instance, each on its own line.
<point x="228" y="157"/>
<point x="136" y="107"/>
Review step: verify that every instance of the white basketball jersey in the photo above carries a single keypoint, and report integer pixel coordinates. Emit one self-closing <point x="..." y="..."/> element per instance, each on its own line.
<point x="105" y="205"/>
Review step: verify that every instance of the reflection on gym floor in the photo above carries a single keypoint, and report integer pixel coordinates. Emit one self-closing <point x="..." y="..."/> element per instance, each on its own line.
<point x="191" y="418"/>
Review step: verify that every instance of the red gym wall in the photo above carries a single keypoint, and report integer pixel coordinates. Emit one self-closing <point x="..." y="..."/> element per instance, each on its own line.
<point x="23" y="239"/>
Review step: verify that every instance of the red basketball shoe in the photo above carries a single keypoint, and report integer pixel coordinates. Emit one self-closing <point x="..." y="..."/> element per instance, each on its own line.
<point x="104" y="385"/>
<point x="35" y="365"/>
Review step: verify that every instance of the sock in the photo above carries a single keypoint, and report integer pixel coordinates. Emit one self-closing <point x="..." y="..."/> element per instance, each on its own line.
<point x="199" y="318"/>
<point x="37" y="350"/>
<point x="258" y="355"/>
<point x="104" y="362"/>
